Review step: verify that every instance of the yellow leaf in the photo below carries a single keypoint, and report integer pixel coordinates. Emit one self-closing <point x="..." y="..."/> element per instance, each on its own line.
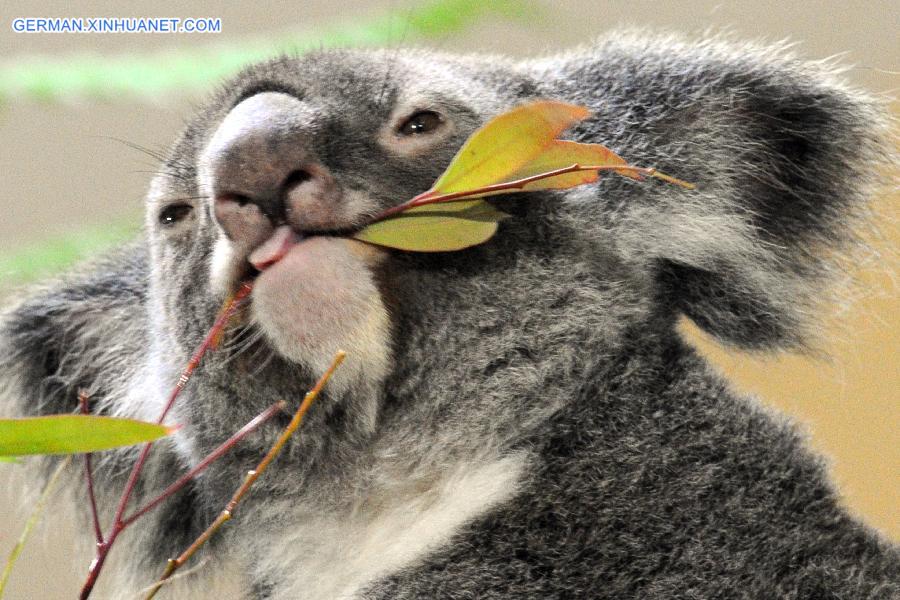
<point x="442" y="227"/>
<point x="506" y="144"/>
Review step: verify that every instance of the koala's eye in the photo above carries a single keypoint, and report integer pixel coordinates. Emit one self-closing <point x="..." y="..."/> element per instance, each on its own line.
<point x="174" y="213"/>
<point x="424" y="121"/>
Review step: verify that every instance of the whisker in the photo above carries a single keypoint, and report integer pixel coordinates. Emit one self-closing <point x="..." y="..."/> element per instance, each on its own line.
<point x="261" y="365"/>
<point x="159" y="155"/>
<point x="172" y="174"/>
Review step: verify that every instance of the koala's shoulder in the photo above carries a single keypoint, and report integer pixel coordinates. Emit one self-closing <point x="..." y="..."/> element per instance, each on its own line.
<point x="73" y="332"/>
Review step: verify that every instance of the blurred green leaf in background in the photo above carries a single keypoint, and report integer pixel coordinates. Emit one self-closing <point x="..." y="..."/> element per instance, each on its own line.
<point x="188" y="70"/>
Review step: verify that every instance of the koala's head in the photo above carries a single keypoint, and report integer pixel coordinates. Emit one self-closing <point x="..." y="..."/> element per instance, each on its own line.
<point x="287" y="158"/>
<point x="294" y="153"/>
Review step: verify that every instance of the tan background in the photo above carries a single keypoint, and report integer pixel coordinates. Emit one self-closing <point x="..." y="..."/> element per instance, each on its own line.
<point x="59" y="170"/>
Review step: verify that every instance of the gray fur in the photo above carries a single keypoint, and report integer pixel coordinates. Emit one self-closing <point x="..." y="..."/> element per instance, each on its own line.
<point x="646" y="476"/>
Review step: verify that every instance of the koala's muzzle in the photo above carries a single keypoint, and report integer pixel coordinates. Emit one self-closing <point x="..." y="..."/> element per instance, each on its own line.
<point x="262" y="173"/>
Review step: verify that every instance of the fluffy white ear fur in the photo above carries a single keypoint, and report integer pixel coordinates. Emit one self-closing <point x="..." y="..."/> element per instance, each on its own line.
<point x="785" y="157"/>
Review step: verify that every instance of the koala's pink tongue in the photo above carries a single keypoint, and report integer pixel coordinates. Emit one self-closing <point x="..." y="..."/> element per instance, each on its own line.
<point x="273" y="249"/>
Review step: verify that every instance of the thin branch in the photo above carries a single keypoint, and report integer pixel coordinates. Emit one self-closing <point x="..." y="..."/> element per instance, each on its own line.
<point x="180" y="575"/>
<point x="212" y="337"/>
<point x="174" y="564"/>
<point x="89" y="473"/>
<point x="32" y="521"/>
<point x="210" y="458"/>
<point x="430" y="197"/>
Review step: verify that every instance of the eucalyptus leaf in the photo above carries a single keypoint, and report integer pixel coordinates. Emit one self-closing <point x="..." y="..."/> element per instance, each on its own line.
<point x="441" y="227"/>
<point x="517" y="151"/>
<point x="68" y="434"/>
<point x="507" y="143"/>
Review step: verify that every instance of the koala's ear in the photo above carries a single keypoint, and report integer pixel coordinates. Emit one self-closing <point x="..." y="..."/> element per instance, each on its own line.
<point x="784" y="157"/>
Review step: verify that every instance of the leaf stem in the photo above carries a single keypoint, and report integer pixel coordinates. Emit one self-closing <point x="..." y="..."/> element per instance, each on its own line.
<point x="89" y="474"/>
<point x="174" y="563"/>
<point x="432" y="197"/>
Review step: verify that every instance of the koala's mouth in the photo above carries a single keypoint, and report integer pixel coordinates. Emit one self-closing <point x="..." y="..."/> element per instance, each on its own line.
<point x="282" y="240"/>
<point x="256" y="235"/>
<point x="274" y="248"/>
<point x="313" y="295"/>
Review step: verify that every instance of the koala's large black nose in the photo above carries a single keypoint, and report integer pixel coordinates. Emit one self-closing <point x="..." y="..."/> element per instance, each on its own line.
<point x="260" y="171"/>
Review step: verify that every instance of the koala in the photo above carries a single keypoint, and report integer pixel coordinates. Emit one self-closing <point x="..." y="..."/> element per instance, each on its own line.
<point x="520" y="419"/>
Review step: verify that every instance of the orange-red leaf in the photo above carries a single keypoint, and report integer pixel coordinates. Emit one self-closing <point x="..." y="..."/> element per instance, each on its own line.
<point x="560" y="154"/>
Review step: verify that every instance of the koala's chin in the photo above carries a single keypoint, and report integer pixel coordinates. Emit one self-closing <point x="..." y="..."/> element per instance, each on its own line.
<point x="322" y="297"/>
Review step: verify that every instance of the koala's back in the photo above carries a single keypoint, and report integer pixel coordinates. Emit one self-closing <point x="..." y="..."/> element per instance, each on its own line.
<point x="659" y="482"/>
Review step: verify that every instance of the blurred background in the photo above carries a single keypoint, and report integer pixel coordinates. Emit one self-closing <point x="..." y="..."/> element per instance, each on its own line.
<point x="73" y="106"/>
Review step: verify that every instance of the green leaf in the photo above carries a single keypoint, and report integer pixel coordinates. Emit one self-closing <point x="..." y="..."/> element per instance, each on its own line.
<point x="67" y="434"/>
<point x="443" y="227"/>
<point x="10" y="459"/>
<point x="516" y="151"/>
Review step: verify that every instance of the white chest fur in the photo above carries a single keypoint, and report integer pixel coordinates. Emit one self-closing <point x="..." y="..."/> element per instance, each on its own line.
<point x="335" y="556"/>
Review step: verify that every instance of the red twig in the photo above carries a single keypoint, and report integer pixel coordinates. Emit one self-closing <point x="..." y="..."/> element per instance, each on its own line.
<point x="89" y="474"/>
<point x="118" y="524"/>
<point x="210" y="458"/>
<point x="224" y="516"/>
